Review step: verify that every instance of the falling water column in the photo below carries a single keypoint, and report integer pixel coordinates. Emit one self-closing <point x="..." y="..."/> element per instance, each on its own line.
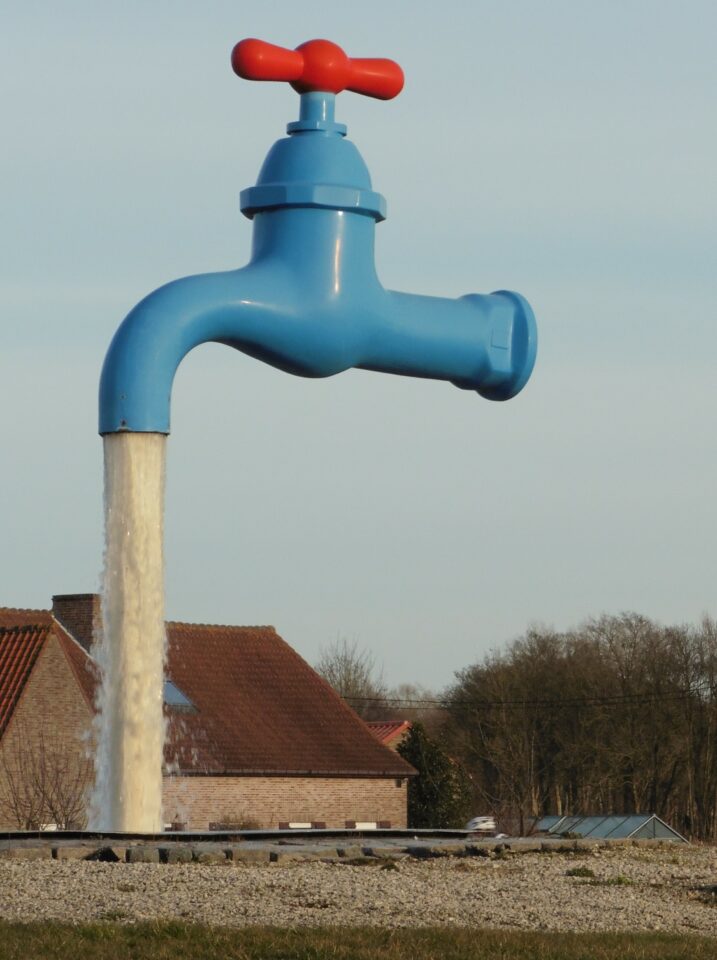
<point x="130" y="726"/>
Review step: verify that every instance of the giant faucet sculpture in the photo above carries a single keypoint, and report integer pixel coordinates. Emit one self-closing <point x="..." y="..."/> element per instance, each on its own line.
<point x="309" y="302"/>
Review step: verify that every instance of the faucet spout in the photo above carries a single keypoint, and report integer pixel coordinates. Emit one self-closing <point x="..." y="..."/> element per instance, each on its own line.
<point x="312" y="315"/>
<point x="139" y="368"/>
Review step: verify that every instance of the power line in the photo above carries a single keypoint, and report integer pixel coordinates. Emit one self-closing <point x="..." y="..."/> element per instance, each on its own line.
<point x="594" y="701"/>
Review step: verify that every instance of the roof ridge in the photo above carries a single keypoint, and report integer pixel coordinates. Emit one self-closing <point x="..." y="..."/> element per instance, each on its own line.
<point x="220" y="626"/>
<point x="25" y="609"/>
<point x="25" y="614"/>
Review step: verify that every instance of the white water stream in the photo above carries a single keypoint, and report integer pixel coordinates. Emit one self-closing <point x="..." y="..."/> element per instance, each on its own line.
<point x="130" y="725"/>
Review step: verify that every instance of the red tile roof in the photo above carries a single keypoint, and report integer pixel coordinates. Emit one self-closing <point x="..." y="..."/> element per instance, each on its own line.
<point x="19" y="649"/>
<point x="388" y="730"/>
<point x="261" y="709"/>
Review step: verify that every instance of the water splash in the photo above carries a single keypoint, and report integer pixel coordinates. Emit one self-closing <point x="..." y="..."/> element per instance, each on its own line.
<point x="130" y="726"/>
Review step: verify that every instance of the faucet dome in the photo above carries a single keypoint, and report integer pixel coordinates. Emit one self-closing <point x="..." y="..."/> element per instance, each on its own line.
<point x="315" y="166"/>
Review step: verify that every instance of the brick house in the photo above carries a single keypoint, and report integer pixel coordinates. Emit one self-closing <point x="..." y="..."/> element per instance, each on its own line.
<point x="255" y="736"/>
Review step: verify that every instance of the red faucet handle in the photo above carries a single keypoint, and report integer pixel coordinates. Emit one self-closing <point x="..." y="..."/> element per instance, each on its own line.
<point x="317" y="65"/>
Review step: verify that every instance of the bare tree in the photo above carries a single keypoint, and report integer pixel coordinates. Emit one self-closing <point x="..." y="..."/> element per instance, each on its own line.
<point x="44" y="778"/>
<point x="353" y="674"/>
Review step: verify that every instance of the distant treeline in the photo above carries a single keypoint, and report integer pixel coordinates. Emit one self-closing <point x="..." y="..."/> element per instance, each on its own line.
<point x="617" y="716"/>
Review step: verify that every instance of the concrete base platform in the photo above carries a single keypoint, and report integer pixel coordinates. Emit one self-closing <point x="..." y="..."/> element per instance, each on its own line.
<point x="282" y="847"/>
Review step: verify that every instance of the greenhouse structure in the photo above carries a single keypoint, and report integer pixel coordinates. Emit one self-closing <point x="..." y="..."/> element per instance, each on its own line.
<point x="635" y="826"/>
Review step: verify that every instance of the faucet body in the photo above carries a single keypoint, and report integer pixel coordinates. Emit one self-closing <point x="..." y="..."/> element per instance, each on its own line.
<point x="309" y="301"/>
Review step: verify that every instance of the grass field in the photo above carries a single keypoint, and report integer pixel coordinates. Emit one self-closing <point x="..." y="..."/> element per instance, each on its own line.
<point x="177" y="941"/>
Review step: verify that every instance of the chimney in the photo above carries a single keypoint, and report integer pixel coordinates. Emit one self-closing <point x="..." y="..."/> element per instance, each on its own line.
<point x="81" y="615"/>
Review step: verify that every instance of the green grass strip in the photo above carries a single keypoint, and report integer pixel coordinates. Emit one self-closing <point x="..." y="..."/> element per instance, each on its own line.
<point x="181" y="941"/>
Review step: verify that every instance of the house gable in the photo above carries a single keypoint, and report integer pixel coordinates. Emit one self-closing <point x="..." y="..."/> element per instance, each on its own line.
<point x="52" y="697"/>
<point x="20" y="648"/>
<point x="46" y="748"/>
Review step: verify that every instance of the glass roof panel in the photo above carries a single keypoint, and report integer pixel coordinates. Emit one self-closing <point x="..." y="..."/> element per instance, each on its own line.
<point x="547" y="823"/>
<point x="588" y="824"/>
<point x="569" y="825"/>
<point x="646" y="831"/>
<point x="606" y="827"/>
<point x="173" y="697"/>
<point x="660" y="829"/>
<point x="634" y="822"/>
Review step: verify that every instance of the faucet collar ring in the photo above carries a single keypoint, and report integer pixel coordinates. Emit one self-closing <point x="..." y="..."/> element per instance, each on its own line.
<point x="272" y="196"/>
<point x="325" y="126"/>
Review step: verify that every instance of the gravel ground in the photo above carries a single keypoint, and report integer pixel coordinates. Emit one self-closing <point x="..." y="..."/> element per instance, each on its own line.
<point x="664" y="889"/>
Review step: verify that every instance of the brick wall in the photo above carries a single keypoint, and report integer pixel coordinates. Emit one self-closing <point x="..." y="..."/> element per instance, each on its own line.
<point x="268" y="801"/>
<point x="52" y="719"/>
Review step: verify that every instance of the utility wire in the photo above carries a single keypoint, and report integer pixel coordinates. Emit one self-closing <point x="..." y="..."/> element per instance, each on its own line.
<point x="599" y="701"/>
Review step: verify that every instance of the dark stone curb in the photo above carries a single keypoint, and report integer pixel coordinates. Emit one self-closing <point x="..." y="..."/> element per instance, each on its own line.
<point x="300" y="852"/>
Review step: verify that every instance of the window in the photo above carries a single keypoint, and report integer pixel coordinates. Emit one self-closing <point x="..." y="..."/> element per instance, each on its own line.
<point x="174" y="698"/>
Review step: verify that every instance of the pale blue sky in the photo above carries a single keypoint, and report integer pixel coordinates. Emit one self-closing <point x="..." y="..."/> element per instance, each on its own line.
<point x="566" y="150"/>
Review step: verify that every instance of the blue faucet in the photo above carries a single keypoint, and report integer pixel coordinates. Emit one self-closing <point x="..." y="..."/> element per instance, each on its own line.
<point x="309" y="301"/>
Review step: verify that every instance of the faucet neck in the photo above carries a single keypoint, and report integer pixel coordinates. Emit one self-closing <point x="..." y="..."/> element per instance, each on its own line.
<point x="316" y="115"/>
<point x="329" y="251"/>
